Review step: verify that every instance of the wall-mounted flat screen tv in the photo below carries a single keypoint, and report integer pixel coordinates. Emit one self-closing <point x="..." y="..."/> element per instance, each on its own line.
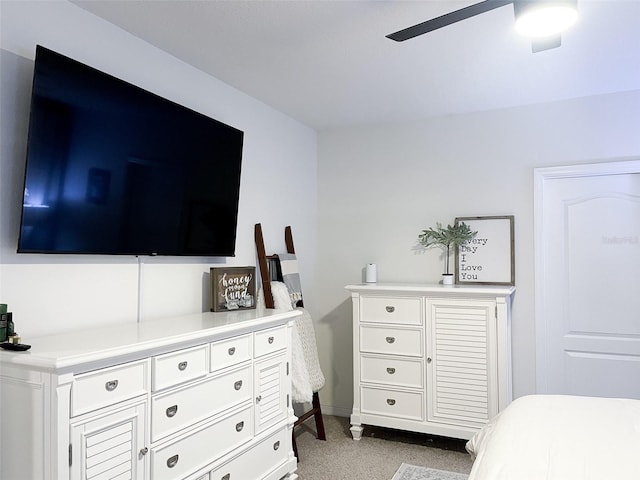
<point x="114" y="169"/>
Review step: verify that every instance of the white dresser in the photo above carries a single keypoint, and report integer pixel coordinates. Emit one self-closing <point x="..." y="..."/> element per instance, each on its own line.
<point x="197" y="397"/>
<point x="430" y="358"/>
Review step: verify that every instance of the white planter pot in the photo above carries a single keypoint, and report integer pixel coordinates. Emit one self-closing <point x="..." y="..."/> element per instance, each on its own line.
<point x="447" y="278"/>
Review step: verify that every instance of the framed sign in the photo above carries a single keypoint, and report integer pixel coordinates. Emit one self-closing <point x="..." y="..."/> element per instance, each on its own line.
<point x="487" y="259"/>
<point x="232" y="288"/>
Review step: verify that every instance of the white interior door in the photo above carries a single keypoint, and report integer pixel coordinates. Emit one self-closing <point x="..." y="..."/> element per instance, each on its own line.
<point x="588" y="279"/>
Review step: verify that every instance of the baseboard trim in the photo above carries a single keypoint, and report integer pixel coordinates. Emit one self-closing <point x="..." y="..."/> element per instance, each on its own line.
<point x="300" y="408"/>
<point x="335" y="411"/>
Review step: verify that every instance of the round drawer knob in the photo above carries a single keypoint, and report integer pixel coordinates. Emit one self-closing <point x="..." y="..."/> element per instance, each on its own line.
<point x="276" y="445"/>
<point x="226" y="477"/>
<point x="271" y="340"/>
<point x="428" y="359"/>
<point x="391" y="370"/>
<point x="232" y="350"/>
<point x="182" y="366"/>
<point x="391" y="339"/>
<point x="239" y="426"/>
<point x="238" y="385"/>
<point x="390" y="308"/>
<point x="391" y="401"/>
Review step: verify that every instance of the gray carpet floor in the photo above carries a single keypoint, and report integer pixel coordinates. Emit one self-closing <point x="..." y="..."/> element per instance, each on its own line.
<point x="376" y="456"/>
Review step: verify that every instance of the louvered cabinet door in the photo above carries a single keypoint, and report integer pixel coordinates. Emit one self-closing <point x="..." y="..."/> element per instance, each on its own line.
<point x="109" y="445"/>
<point x="272" y="394"/>
<point x="461" y="362"/>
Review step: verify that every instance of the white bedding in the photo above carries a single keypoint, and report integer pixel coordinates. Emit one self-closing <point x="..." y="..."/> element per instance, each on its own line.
<point x="556" y="437"/>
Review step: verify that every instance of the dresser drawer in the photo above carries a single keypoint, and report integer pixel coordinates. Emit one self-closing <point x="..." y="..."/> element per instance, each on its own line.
<point x="391" y="340"/>
<point x="392" y="371"/>
<point x="178" y="367"/>
<point x="178" y="409"/>
<point x="392" y="403"/>
<point x="184" y="456"/>
<point x="230" y="352"/>
<point x="403" y="310"/>
<point x="270" y="340"/>
<point x="94" y="390"/>
<point x="261" y="458"/>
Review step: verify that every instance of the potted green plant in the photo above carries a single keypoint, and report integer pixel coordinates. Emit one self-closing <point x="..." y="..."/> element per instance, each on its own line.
<point x="447" y="238"/>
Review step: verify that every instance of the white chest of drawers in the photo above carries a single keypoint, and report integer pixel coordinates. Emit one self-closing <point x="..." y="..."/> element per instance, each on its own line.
<point x="199" y="397"/>
<point x="430" y="358"/>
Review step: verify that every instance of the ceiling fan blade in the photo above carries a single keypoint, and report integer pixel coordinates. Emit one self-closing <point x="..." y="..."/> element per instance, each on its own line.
<point x="447" y="19"/>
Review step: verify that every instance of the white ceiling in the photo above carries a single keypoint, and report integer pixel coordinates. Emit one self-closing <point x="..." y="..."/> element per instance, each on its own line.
<point x="329" y="65"/>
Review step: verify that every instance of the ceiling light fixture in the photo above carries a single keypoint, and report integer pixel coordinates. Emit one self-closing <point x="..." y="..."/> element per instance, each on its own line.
<point x="544" y="18"/>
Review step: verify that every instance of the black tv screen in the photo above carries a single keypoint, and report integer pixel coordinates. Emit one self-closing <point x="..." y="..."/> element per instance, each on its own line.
<point x="114" y="169"/>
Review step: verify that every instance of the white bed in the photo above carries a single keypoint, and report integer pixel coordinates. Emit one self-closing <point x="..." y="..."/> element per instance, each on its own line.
<point x="557" y="437"/>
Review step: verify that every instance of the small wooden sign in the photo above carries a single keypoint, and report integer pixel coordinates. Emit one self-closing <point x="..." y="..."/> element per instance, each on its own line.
<point x="232" y="288"/>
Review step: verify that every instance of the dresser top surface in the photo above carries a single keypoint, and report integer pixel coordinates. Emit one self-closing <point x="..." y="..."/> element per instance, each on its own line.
<point x="78" y="349"/>
<point x="432" y="289"/>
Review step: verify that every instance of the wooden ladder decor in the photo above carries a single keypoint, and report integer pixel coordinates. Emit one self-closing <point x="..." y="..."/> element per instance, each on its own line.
<point x="270" y="271"/>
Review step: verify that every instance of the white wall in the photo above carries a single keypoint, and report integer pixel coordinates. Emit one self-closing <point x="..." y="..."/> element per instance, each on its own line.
<point x="379" y="186"/>
<point x="278" y="186"/>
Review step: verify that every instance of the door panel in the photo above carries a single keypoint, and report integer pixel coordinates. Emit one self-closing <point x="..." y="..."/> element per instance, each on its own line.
<point x="590" y="374"/>
<point x="272" y="394"/>
<point x="603" y="256"/>
<point x="587" y="267"/>
<point x="461" y="371"/>
<point x="107" y="444"/>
